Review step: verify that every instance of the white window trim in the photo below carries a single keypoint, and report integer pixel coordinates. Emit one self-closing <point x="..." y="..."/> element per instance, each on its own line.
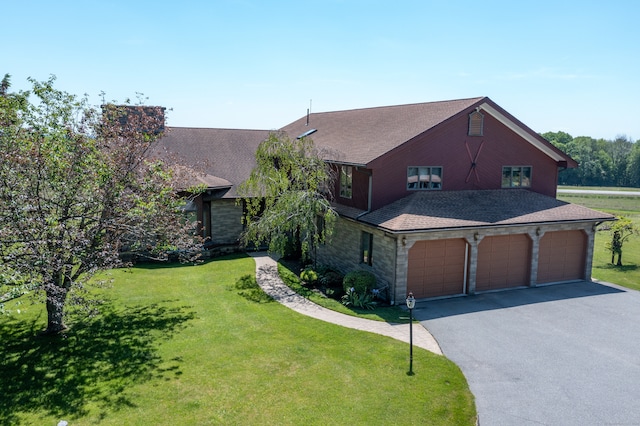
<point x="521" y="175"/>
<point x="430" y="177"/>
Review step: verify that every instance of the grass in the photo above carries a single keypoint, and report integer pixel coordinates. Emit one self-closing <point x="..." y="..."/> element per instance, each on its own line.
<point x="184" y="345"/>
<point x="600" y="188"/>
<point x="629" y="274"/>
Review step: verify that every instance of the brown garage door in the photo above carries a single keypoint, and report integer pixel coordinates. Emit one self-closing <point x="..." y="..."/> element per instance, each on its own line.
<point x="503" y="261"/>
<point x="561" y="256"/>
<point x="437" y="268"/>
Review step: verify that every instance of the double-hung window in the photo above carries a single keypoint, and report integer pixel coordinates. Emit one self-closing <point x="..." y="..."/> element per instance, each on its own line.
<point x="516" y="176"/>
<point x="424" y="177"/>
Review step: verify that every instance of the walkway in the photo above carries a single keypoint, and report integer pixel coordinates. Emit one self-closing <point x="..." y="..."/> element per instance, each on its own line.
<point x="269" y="280"/>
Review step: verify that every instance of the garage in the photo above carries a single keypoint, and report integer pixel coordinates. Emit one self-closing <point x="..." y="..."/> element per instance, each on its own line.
<point x="561" y="256"/>
<point x="503" y="262"/>
<point x="437" y="268"/>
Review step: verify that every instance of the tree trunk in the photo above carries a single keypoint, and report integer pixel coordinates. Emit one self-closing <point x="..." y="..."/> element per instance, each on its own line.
<point x="619" y="259"/>
<point x="56" y="298"/>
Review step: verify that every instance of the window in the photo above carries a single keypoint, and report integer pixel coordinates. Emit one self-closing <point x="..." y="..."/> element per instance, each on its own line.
<point x="424" y="178"/>
<point x="516" y="176"/>
<point x="346" y="181"/>
<point x="476" y="123"/>
<point x="367" y="248"/>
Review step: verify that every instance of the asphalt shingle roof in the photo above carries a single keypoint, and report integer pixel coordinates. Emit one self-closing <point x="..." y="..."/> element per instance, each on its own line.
<point x="220" y="157"/>
<point x="433" y="210"/>
<point x="361" y="135"/>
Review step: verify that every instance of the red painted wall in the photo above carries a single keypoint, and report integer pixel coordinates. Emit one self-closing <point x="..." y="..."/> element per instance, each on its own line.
<point x="360" y="188"/>
<point x="446" y="146"/>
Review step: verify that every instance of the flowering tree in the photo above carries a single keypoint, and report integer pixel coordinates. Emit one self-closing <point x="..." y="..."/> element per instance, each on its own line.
<point x="76" y="188"/>
<point x="286" y="196"/>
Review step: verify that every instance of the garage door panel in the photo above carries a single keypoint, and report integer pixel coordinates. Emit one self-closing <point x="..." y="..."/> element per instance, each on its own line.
<point x="562" y="256"/>
<point x="436" y="268"/>
<point x="503" y="262"/>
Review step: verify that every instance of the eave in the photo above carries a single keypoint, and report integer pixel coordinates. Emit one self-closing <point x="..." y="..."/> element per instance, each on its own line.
<point x="562" y="159"/>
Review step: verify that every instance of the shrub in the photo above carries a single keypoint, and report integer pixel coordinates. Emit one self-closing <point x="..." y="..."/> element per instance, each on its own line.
<point x="359" y="300"/>
<point x="331" y="279"/>
<point x="309" y="276"/>
<point x="362" y="282"/>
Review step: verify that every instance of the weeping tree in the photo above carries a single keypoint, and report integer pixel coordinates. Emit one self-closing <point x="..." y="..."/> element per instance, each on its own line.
<point x="76" y="189"/>
<point x="287" y="196"/>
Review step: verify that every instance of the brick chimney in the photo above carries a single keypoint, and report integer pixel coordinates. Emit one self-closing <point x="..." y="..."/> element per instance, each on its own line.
<point x="135" y="118"/>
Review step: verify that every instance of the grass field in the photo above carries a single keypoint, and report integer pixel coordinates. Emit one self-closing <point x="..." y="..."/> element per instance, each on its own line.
<point x="600" y="188"/>
<point x="619" y="205"/>
<point x="182" y="345"/>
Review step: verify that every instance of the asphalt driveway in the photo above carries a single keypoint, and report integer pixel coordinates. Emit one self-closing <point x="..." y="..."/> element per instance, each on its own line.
<point x="566" y="354"/>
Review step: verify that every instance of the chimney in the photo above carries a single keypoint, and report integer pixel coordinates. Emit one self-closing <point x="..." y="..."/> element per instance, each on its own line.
<point x="135" y="118"/>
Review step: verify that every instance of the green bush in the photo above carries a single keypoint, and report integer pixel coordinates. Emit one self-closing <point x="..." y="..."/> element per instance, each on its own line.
<point x="309" y="276"/>
<point x="359" y="300"/>
<point x="331" y="279"/>
<point x="362" y="282"/>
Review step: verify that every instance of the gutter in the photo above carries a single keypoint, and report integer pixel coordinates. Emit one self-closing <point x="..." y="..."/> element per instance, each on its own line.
<point x="510" y="225"/>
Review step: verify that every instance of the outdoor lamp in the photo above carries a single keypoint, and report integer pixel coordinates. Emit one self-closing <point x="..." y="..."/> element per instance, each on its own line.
<point x="411" y="303"/>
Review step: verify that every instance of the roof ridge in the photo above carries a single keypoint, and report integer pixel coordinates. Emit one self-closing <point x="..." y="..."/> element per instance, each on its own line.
<point x="474" y="99"/>
<point x="220" y="128"/>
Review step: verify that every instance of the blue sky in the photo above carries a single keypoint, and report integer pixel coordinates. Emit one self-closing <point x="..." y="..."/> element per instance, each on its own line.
<point x="556" y="65"/>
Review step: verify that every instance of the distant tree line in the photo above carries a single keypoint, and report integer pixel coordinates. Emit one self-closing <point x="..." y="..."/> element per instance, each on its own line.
<point x="601" y="162"/>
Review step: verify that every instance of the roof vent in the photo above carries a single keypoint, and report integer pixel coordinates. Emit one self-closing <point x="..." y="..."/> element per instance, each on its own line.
<point x="307" y="133"/>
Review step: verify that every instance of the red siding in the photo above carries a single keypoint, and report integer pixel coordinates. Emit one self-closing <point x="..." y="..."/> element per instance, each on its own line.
<point x="360" y="188"/>
<point x="446" y="146"/>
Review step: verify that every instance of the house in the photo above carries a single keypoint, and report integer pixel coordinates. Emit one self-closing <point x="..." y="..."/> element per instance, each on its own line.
<point x="449" y="198"/>
<point x="218" y="160"/>
<point x="438" y="199"/>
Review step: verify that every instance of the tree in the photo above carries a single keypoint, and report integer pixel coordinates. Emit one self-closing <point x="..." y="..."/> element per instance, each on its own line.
<point x="77" y="188"/>
<point x="287" y="196"/>
<point x="558" y="139"/>
<point x="619" y="151"/>
<point x="620" y="230"/>
<point x="633" y="165"/>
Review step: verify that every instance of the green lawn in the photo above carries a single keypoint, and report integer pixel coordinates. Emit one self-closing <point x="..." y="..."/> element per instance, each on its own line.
<point x="180" y="345"/>
<point x="629" y="274"/>
<point x="603" y="188"/>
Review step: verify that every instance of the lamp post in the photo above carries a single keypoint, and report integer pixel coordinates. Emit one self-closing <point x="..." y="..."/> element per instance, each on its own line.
<point x="411" y="303"/>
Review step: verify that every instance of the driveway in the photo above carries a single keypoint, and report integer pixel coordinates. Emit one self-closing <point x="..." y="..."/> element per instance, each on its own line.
<point x="566" y="354"/>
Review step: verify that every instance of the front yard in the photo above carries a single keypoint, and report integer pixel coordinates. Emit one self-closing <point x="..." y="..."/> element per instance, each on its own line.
<point x="180" y="345"/>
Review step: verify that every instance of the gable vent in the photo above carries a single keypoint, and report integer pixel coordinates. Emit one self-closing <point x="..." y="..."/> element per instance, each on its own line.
<point x="476" y="123"/>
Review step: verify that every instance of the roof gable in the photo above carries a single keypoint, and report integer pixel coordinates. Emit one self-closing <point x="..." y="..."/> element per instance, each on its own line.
<point x="360" y="136"/>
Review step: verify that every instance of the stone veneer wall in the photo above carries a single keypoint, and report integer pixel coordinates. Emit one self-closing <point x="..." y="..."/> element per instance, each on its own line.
<point x="390" y="253"/>
<point x="344" y="251"/>
<point x="226" y="221"/>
